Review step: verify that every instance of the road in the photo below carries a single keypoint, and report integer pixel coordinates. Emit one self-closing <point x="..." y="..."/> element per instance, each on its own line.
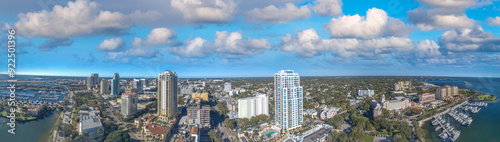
<point x="226" y="136"/>
<point x="60" y="136"/>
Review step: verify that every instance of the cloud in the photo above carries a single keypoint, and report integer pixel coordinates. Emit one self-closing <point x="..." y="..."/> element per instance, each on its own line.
<point x="494" y="21"/>
<point x="233" y="46"/>
<point x="470" y="39"/>
<point x="195" y="48"/>
<point x="144" y="49"/>
<point x="114" y="44"/>
<point x="226" y="45"/>
<point x="205" y="11"/>
<point x="449" y="3"/>
<point x="376" y="23"/>
<point x="444" y="14"/>
<point x="308" y="44"/>
<point x="273" y="14"/>
<point x="427" y="49"/>
<point x="328" y="7"/>
<point x="53" y="43"/>
<point x="81" y="17"/>
<point x="439" y="19"/>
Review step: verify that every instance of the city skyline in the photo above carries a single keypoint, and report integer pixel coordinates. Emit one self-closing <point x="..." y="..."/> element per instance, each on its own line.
<point x="241" y="38"/>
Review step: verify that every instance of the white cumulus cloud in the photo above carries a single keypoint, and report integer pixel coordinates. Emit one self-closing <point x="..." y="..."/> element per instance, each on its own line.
<point x="308" y="44"/>
<point x="494" y="21"/>
<point x="328" y="7"/>
<point x="273" y="14"/>
<point x="470" y="39"/>
<point x="113" y="44"/>
<point x="210" y="11"/>
<point x="227" y="45"/>
<point x="376" y="23"/>
<point x="81" y="17"/>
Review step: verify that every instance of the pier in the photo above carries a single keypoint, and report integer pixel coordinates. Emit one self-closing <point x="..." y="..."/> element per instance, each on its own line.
<point x="421" y="122"/>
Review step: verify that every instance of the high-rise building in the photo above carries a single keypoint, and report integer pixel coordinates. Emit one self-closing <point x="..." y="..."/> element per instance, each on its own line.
<point x="167" y="95"/>
<point x="129" y="104"/>
<point x="104" y="86"/>
<point x="288" y="99"/>
<point x="198" y="116"/>
<point x="144" y="83"/>
<point x="227" y="86"/>
<point x="253" y="106"/>
<point x="137" y="84"/>
<point x="92" y="81"/>
<point x="446" y="91"/>
<point x="115" y="85"/>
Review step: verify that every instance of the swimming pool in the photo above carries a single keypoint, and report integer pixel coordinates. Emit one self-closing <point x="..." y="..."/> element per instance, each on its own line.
<point x="270" y="133"/>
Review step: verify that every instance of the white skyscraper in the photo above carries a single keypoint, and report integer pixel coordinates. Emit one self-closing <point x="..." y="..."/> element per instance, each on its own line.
<point x="288" y="99"/>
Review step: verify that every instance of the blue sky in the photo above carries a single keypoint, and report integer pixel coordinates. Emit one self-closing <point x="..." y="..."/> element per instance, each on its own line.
<point x="237" y="38"/>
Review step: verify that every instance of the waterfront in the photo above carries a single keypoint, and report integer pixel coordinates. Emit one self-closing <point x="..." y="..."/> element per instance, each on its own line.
<point x="27" y="95"/>
<point x="31" y="131"/>
<point x="485" y="125"/>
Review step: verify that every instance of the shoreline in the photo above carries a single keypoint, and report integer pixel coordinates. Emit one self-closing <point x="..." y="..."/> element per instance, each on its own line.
<point x="28" y="120"/>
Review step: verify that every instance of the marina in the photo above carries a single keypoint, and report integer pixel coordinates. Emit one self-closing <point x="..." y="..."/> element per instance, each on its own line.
<point x="35" y="96"/>
<point x="460" y="115"/>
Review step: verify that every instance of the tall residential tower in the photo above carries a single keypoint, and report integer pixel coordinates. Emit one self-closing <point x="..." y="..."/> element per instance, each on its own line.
<point x="288" y="99"/>
<point x="115" y="85"/>
<point x="167" y="95"/>
<point x="92" y="81"/>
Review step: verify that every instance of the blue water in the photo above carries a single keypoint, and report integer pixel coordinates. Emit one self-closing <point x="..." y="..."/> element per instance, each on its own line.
<point x="486" y="125"/>
<point x="270" y="133"/>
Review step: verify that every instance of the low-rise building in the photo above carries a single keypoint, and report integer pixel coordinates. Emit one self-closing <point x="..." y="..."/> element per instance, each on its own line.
<point x="329" y="112"/>
<point x="144" y="119"/>
<point x="201" y="96"/>
<point x="91" y="123"/>
<point x="156" y="131"/>
<point x="366" y="93"/>
<point x="397" y="104"/>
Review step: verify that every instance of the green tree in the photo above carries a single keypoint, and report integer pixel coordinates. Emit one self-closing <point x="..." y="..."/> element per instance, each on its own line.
<point x="118" y="136"/>
<point x="229" y="123"/>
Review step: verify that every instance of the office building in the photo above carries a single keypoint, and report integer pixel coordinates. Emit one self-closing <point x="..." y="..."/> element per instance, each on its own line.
<point x="115" y="85"/>
<point x="288" y="99"/>
<point x="104" y="86"/>
<point x="144" y="83"/>
<point x="426" y="97"/>
<point x="129" y="104"/>
<point x="198" y="116"/>
<point x="167" y="95"/>
<point x="253" y="106"/>
<point x="137" y="84"/>
<point x="227" y="86"/>
<point x="92" y="81"/>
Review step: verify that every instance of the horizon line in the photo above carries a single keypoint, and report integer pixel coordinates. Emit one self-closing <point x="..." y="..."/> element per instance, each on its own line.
<point x="269" y="76"/>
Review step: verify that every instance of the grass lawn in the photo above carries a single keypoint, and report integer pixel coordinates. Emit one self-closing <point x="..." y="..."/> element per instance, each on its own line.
<point x="367" y="138"/>
<point x="18" y="116"/>
<point x="485" y="98"/>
